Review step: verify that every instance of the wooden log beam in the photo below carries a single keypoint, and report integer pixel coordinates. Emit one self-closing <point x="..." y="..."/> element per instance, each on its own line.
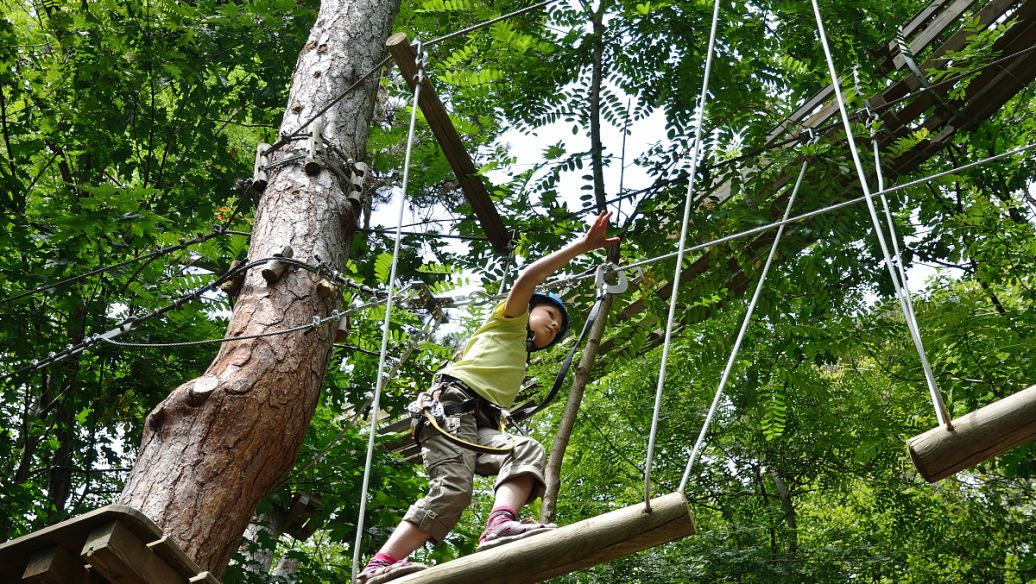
<point x="452" y="147"/>
<point x="982" y="434"/>
<point x="54" y="565"/>
<point x="570" y="548"/>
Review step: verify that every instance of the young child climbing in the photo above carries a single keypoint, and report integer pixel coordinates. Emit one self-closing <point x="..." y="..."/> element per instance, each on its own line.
<point x="489" y="373"/>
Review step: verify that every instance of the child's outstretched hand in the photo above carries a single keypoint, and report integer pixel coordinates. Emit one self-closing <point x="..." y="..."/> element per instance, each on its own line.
<point x="597" y="235"/>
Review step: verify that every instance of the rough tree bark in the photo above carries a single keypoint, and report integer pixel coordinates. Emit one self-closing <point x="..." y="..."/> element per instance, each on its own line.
<point x="219" y="443"/>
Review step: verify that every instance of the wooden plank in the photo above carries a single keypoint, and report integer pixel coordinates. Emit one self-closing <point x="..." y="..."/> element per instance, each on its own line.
<point x="474" y="190"/>
<point x="995" y="86"/>
<point x="978" y="436"/>
<point x="788" y="125"/>
<point x="71" y="534"/>
<point x="933" y="31"/>
<point x="570" y="548"/>
<point x="117" y="554"/>
<point x="886" y="51"/>
<point x="54" y="565"/>
<point x="986" y="15"/>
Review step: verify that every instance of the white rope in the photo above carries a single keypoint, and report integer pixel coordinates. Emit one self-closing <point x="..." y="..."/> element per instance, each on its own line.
<point x="904" y="295"/>
<point x="695" y="156"/>
<point x="940" y="408"/>
<point x="376" y="405"/>
<point x="897" y="254"/>
<point x="740" y="337"/>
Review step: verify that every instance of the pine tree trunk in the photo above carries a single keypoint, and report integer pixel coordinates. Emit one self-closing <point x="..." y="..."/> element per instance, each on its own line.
<point x="219" y="443"/>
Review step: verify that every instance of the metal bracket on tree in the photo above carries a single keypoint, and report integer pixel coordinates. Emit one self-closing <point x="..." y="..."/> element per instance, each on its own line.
<point x="610" y="280"/>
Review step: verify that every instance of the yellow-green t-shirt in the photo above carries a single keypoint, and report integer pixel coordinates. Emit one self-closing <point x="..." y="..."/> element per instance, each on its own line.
<point x="494" y="358"/>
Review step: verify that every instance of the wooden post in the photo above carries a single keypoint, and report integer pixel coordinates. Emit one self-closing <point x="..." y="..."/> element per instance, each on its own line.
<point x="54" y="565"/>
<point x="474" y="191"/>
<point x="570" y="548"/>
<point x="982" y="434"/>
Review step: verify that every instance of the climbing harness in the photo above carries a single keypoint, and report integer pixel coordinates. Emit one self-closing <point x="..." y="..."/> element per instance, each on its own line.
<point x="427" y="409"/>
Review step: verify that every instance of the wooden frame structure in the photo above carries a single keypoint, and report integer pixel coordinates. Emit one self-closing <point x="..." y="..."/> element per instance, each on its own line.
<point x="111" y="544"/>
<point x="569" y="548"/>
<point x="982" y="434"/>
<point x="449" y="140"/>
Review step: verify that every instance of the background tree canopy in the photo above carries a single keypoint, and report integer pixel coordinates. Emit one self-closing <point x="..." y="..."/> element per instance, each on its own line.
<point x="126" y="130"/>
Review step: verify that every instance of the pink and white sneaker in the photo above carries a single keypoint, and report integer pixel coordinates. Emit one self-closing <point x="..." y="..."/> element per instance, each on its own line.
<point x="507" y="531"/>
<point x="378" y="571"/>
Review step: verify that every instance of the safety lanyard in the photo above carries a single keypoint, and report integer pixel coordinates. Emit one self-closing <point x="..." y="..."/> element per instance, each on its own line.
<point x="604" y="288"/>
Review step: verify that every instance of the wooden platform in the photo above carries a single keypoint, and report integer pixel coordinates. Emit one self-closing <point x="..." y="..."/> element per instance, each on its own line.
<point x="569" y="548"/>
<point x="111" y="544"/>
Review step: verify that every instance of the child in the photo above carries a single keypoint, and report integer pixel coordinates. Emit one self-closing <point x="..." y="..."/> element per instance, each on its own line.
<point x="491" y="369"/>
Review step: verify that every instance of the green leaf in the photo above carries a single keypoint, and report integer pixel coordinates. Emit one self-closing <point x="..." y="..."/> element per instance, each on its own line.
<point x="383" y="267"/>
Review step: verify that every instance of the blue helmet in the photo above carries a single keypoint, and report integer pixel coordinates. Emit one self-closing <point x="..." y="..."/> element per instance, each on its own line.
<point x="550" y="298"/>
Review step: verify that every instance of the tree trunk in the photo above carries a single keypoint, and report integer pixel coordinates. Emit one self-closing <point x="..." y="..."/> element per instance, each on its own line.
<point x="789" y="513"/>
<point x="548" y="510"/>
<point x="257" y="559"/>
<point x="218" y="444"/>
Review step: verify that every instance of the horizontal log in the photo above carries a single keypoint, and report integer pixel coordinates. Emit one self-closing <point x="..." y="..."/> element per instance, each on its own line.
<point x="982" y="434"/>
<point x="570" y="548"/>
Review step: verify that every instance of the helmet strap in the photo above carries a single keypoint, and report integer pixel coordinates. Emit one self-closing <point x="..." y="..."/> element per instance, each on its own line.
<point x="530" y="345"/>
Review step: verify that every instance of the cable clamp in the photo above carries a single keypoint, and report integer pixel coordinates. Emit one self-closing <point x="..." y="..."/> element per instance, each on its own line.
<point x="610" y="280"/>
<point x="421" y="60"/>
<point x="122" y="328"/>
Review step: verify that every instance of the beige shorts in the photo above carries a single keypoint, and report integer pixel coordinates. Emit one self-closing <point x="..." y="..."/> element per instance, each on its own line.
<point x="451" y="468"/>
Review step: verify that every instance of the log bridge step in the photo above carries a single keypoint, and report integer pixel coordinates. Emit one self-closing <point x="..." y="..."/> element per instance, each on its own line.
<point x="569" y="548"/>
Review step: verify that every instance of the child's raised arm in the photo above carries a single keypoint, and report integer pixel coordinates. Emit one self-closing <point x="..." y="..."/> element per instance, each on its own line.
<point x="541" y="269"/>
